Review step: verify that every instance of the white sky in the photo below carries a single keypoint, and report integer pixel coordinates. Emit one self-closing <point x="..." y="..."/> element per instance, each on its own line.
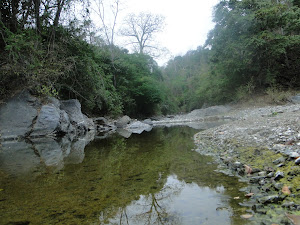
<point x="187" y="22"/>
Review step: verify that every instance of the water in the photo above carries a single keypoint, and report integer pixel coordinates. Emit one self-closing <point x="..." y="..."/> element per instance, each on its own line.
<point x="152" y="178"/>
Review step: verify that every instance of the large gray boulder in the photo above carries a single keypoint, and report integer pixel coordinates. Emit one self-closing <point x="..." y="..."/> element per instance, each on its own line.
<point x="17" y="116"/>
<point x="123" y="121"/>
<point x="80" y="121"/>
<point x="48" y="121"/>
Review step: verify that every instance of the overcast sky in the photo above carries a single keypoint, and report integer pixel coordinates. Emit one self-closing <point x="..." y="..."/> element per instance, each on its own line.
<point x="187" y="22"/>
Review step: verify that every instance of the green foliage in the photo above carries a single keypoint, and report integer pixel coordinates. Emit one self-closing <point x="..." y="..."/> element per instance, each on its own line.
<point x="254" y="45"/>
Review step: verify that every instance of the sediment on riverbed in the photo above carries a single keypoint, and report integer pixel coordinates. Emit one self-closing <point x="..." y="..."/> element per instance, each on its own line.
<point x="262" y="147"/>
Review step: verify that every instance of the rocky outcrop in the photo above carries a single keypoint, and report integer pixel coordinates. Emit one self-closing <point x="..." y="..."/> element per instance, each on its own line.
<point x="123" y="121"/>
<point x="33" y="134"/>
<point x="24" y="116"/>
<point x="17" y="116"/>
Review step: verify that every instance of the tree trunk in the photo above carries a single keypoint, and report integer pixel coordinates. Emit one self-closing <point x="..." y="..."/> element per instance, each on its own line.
<point x="37" y="4"/>
<point x="60" y="4"/>
<point x="14" y="20"/>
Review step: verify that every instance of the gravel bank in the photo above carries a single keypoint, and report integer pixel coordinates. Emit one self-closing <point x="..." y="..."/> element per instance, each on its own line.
<point x="261" y="146"/>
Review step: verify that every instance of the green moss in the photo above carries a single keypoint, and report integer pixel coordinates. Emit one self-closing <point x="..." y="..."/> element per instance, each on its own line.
<point x="257" y="157"/>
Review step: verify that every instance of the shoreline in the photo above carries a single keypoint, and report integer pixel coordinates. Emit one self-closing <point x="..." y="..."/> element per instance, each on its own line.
<point x="261" y="146"/>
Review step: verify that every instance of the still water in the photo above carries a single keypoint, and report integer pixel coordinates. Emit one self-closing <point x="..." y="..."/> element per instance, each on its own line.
<point x="151" y="178"/>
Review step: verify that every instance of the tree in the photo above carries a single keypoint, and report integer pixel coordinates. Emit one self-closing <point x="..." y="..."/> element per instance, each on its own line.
<point x="141" y="29"/>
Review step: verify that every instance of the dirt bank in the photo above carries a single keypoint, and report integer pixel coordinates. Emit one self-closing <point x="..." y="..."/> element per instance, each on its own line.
<point x="261" y="146"/>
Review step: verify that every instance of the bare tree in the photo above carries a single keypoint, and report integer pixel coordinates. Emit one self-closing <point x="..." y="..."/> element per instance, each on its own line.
<point x="141" y="29"/>
<point x="108" y="27"/>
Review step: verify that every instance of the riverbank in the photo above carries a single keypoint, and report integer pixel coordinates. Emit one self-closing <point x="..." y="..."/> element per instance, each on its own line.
<point x="261" y="145"/>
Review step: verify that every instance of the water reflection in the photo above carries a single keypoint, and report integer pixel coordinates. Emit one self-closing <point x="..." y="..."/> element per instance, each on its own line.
<point x="177" y="203"/>
<point x="152" y="178"/>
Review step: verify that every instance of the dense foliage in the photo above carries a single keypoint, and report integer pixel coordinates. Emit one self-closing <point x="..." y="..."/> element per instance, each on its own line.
<point x="55" y="60"/>
<point x="255" y="45"/>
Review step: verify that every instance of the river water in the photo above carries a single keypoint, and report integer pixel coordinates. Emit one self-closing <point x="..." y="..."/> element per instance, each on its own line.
<point x="152" y="178"/>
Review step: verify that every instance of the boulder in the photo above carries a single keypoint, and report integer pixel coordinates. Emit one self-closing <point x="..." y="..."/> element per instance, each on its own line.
<point x="80" y="121"/>
<point x="17" y="115"/>
<point x="48" y="121"/>
<point x="122" y="122"/>
<point x="138" y="127"/>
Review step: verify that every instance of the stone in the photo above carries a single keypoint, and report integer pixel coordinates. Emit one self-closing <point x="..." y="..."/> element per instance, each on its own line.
<point x="279" y="175"/>
<point x="17" y="115"/>
<point x="48" y="121"/>
<point x="148" y="121"/>
<point x="100" y="121"/>
<point x="294" y="155"/>
<point x="297" y="161"/>
<point x="279" y="160"/>
<point x="138" y="127"/>
<point x="123" y="121"/>
<point x="256" y="179"/>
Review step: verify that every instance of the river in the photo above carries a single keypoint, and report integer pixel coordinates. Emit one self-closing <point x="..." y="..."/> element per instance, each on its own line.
<point x="152" y="178"/>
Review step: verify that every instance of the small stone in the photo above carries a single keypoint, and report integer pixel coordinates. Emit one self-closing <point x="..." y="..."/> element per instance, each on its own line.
<point x="288" y="204"/>
<point x="297" y="161"/>
<point x="236" y="198"/>
<point x="294" y="155"/>
<point x="279" y="160"/>
<point x="278" y="186"/>
<point x="281" y="165"/>
<point x="262" y="173"/>
<point x="269" y="175"/>
<point x="279" y="175"/>
<point x="246" y="216"/>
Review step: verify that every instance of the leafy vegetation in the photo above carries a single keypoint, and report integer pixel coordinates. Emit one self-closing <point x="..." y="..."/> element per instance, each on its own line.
<point x="255" y="45"/>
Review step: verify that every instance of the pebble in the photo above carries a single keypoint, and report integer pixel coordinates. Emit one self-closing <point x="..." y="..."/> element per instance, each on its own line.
<point x="279" y="175"/>
<point x="297" y="161"/>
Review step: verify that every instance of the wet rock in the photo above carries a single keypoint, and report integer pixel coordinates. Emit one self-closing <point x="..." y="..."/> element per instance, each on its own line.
<point x="122" y="122"/>
<point x="279" y="175"/>
<point x="17" y="115"/>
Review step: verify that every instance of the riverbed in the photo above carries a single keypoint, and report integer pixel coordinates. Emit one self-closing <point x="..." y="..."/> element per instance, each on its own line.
<point x="153" y="178"/>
